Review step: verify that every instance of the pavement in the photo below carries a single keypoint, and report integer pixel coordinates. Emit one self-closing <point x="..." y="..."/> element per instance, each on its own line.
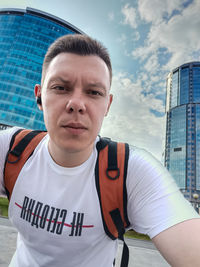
<point x="142" y="253"/>
<point x="8" y="237"/>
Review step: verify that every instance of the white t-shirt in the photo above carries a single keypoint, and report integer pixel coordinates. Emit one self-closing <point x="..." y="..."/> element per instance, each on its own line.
<point x="49" y="201"/>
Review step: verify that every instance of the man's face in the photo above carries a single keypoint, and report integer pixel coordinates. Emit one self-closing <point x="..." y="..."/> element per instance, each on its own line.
<point x="75" y="99"/>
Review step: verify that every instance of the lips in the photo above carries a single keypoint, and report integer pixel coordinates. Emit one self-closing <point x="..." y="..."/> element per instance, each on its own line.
<point x="75" y="128"/>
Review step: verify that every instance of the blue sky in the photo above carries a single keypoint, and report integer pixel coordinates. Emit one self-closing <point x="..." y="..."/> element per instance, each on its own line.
<point x="146" y="39"/>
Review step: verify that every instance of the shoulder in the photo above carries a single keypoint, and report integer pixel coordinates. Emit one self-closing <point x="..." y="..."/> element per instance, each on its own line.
<point x="155" y="201"/>
<point x="6" y="135"/>
<point x="143" y="162"/>
<point x="142" y="155"/>
<point x="147" y="175"/>
<point x="5" y="138"/>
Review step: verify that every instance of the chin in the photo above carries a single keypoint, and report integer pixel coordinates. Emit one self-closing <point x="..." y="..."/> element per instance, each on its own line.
<point x="73" y="147"/>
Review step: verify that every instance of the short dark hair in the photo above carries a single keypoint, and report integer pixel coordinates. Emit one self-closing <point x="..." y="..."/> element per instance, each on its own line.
<point x="79" y="44"/>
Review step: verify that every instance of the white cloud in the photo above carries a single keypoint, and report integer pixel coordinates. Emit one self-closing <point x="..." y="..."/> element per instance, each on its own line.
<point x="155" y="78"/>
<point x="144" y="76"/>
<point x="130" y="118"/>
<point x="142" y="52"/>
<point x="152" y="64"/>
<point x="129" y="16"/>
<point x="154" y="10"/>
<point x="172" y="40"/>
<point x="179" y="35"/>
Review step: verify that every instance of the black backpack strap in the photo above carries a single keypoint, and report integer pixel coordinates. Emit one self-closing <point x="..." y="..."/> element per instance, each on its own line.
<point x="13" y="138"/>
<point x="115" y="214"/>
<point x="117" y="219"/>
<point x="22" y="145"/>
<point x="110" y="173"/>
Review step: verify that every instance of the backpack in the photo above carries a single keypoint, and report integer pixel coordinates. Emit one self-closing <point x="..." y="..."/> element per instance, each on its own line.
<point x="110" y="177"/>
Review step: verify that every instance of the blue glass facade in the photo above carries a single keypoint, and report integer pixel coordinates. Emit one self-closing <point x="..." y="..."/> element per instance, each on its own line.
<point x="178" y="145"/>
<point x="197" y="115"/>
<point x="25" y="36"/>
<point x="175" y="89"/>
<point x="184" y="86"/>
<point x="196" y="84"/>
<point x="182" y="148"/>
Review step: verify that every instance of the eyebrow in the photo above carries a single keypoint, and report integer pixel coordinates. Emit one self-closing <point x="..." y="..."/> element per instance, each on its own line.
<point x="91" y="84"/>
<point x="59" y="79"/>
<point x="97" y="85"/>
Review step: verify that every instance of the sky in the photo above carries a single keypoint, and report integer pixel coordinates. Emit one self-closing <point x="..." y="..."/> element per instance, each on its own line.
<point x="146" y="40"/>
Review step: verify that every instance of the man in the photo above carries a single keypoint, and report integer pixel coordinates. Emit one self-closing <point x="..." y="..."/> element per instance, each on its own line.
<point x="58" y="179"/>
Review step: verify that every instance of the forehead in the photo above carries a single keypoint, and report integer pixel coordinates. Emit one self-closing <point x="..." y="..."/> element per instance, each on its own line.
<point x="72" y="64"/>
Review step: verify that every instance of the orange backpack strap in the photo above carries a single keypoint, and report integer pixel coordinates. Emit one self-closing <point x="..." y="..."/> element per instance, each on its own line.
<point x="110" y="175"/>
<point x="22" y="145"/>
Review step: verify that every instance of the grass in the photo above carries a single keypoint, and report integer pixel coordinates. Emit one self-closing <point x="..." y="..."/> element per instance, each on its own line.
<point x="3" y="206"/>
<point x="129" y="234"/>
<point x="133" y="234"/>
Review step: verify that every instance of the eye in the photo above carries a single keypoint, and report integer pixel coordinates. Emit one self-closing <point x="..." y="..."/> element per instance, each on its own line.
<point x="95" y="92"/>
<point x="59" y="88"/>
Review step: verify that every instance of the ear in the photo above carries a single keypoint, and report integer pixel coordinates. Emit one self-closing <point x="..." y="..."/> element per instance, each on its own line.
<point x="37" y="91"/>
<point x="109" y="104"/>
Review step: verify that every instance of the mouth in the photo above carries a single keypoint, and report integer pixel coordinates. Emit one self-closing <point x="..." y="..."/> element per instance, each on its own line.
<point x="75" y="128"/>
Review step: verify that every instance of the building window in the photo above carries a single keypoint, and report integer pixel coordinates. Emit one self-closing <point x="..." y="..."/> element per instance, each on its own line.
<point x="177" y="149"/>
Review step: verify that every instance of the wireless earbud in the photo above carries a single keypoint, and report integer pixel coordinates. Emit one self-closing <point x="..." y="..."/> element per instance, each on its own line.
<point x="39" y="101"/>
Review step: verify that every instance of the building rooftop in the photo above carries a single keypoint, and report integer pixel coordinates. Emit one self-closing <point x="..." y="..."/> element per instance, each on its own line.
<point x="40" y="13"/>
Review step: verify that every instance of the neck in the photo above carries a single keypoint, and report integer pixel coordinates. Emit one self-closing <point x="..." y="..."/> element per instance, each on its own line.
<point x="69" y="159"/>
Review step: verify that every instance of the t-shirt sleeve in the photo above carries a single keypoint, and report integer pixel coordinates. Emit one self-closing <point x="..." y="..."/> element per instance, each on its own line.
<point x="5" y="137"/>
<point x="155" y="203"/>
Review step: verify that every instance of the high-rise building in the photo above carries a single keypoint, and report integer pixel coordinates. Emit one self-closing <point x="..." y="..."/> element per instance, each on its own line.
<point x="25" y="36"/>
<point x="182" y="147"/>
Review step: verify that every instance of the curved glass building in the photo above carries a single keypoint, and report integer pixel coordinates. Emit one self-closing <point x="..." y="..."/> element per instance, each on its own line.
<point x="182" y="148"/>
<point x="25" y="36"/>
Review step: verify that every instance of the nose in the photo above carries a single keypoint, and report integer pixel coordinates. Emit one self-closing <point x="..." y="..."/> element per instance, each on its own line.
<point x="76" y="103"/>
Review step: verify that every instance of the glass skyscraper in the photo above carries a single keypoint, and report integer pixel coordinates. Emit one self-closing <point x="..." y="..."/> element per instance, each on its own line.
<point x="25" y="36"/>
<point x="182" y="146"/>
